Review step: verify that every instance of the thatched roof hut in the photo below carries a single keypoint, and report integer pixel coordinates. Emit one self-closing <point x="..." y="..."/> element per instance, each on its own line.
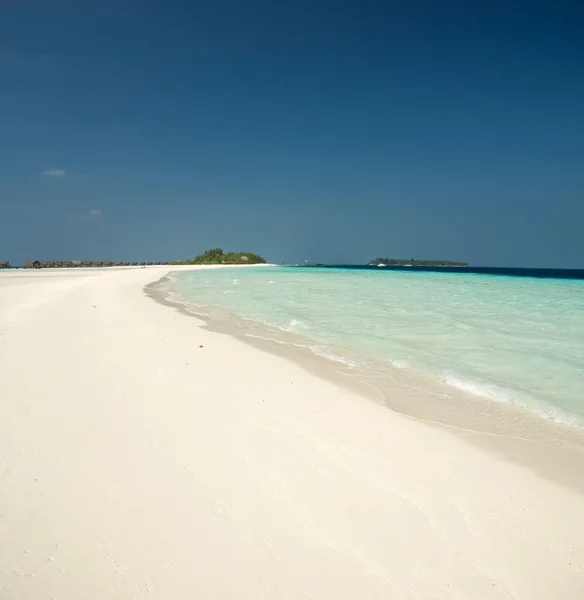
<point x="76" y="263"/>
<point x="4" y="264"/>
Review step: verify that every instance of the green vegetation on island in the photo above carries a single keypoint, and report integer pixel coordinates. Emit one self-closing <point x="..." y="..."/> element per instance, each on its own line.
<point x="411" y="262"/>
<point x="216" y="256"/>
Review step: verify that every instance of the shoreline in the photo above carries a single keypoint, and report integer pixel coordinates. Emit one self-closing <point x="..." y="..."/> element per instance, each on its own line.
<point x="506" y="429"/>
<point x="447" y="381"/>
<point x="145" y="455"/>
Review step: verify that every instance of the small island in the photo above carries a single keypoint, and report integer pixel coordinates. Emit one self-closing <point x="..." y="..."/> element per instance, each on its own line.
<point x="411" y="262"/>
<point x="216" y="256"/>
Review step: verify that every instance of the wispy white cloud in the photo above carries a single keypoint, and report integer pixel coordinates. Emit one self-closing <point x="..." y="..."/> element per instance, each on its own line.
<point x="59" y="173"/>
<point x="94" y="214"/>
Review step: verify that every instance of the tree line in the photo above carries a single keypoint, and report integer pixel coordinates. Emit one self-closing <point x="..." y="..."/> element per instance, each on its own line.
<point x="216" y="256"/>
<point x="411" y="262"/>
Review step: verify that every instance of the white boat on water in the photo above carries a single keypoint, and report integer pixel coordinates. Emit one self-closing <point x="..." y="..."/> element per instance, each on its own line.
<point x="381" y="265"/>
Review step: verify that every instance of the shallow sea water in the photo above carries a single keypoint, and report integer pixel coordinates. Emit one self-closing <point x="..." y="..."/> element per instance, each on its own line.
<point x="517" y="340"/>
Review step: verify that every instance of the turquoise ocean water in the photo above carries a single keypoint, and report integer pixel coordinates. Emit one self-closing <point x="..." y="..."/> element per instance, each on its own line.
<point x="510" y="339"/>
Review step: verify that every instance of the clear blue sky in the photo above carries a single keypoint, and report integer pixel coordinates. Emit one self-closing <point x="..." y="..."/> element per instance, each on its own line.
<point x="330" y="131"/>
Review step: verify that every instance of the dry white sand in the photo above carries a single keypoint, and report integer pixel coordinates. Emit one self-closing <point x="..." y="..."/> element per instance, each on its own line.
<point x="136" y="465"/>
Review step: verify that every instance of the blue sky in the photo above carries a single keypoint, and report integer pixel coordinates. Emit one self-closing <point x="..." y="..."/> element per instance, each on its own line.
<point x="329" y="131"/>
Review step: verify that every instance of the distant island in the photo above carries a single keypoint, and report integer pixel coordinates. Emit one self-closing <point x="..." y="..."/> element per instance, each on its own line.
<point x="216" y="256"/>
<point x="411" y="262"/>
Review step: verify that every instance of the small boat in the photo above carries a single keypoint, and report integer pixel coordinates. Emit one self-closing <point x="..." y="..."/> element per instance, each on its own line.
<point x="382" y="265"/>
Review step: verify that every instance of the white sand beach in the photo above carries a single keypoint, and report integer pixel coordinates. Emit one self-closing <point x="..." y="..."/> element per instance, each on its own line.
<point x="143" y="457"/>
